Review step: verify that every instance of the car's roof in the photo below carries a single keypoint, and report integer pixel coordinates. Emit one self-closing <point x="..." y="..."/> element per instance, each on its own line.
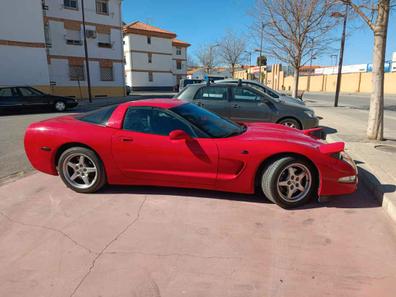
<point x="156" y="102"/>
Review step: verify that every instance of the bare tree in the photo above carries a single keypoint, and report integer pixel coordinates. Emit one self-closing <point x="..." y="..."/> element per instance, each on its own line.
<point x="376" y="15"/>
<point x="295" y="30"/>
<point x="207" y="57"/>
<point x="232" y="48"/>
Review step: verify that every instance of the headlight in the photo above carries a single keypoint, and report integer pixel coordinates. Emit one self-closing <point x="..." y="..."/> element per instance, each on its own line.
<point x="310" y="113"/>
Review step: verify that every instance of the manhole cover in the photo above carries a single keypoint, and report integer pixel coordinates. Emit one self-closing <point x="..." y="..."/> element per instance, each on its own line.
<point x="386" y="148"/>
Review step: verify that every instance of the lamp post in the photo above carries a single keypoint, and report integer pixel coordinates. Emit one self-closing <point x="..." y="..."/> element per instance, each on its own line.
<point x="86" y="52"/>
<point x="338" y="85"/>
<point x="250" y="61"/>
<point x="260" y="50"/>
<point x="210" y="56"/>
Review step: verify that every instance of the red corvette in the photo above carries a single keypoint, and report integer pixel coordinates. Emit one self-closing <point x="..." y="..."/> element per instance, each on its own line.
<point x="167" y="142"/>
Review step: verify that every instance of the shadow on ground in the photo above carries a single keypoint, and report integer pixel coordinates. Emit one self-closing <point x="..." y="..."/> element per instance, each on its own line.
<point x="359" y="199"/>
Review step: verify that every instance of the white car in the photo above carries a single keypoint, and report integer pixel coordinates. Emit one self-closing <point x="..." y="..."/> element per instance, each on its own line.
<point x="263" y="88"/>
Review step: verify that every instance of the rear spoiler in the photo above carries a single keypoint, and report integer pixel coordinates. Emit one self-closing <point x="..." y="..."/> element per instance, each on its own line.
<point x="316" y="133"/>
<point x="332" y="148"/>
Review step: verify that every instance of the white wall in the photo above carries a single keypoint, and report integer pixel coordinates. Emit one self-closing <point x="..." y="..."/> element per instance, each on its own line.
<point x="21" y="20"/>
<point x="23" y="66"/>
<point x="140" y="79"/>
<point x="139" y="43"/>
<point x="56" y="10"/>
<point x="159" y="62"/>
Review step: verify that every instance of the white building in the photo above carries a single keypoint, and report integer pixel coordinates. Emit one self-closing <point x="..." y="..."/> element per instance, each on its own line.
<point x="23" y="58"/>
<point x="50" y="55"/>
<point x="155" y="59"/>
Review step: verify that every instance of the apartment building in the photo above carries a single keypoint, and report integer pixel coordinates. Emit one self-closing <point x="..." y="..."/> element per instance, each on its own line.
<point x="49" y="36"/>
<point x="154" y="58"/>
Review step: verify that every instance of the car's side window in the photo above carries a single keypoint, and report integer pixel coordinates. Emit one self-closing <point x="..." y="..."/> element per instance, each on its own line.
<point x="212" y="93"/>
<point x="6" y="92"/>
<point x="244" y="94"/>
<point x="26" y="92"/>
<point x="153" y="121"/>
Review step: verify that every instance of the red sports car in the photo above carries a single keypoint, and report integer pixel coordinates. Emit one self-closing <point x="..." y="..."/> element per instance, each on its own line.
<point x="167" y="142"/>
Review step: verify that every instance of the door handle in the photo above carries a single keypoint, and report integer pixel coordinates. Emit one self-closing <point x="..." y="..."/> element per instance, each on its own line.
<point x="127" y="139"/>
<point x="235" y="106"/>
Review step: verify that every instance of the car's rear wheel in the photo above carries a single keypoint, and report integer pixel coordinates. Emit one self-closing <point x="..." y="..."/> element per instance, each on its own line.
<point x="292" y="123"/>
<point x="60" y="106"/>
<point x="81" y="170"/>
<point x="289" y="182"/>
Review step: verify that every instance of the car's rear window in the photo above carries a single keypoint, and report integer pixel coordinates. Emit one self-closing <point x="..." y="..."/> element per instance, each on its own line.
<point x="99" y="116"/>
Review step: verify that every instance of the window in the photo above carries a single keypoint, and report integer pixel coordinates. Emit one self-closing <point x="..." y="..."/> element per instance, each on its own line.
<point x="148" y="39"/>
<point x="243" y="94"/>
<point x="178" y="51"/>
<point x="150" y="76"/>
<point x="104" y="40"/>
<point x="150" y="57"/>
<point x="102" y="7"/>
<point x="99" y="116"/>
<point x="70" y="4"/>
<point x="6" y="92"/>
<point x="73" y="37"/>
<point x="153" y="121"/>
<point x="106" y="74"/>
<point x="76" y="72"/>
<point x="178" y="65"/>
<point x="212" y="93"/>
<point x="29" y="92"/>
<point x="263" y="89"/>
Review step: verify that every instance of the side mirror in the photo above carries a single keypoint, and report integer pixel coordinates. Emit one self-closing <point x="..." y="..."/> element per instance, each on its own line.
<point x="179" y="135"/>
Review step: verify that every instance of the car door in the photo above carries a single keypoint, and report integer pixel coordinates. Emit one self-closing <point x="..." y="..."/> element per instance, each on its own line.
<point x="249" y="105"/>
<point x="214" y="98"/>
<point x="145" y="154"/>
<point x="31" y="98"/>
<point x="8" y="99"/>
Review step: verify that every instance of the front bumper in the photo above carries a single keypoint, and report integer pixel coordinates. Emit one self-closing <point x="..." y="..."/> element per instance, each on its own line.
<point x="310" y="123"/>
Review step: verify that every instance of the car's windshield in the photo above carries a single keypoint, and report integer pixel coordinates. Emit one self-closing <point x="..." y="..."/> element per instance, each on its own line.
<point x="210" y="123"/>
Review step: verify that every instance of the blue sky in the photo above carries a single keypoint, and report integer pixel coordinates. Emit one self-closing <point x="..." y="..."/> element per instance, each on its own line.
<point x="205" y="21"/>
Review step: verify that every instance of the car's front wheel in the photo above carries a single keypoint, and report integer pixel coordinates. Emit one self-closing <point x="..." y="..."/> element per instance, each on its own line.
<point x="290" y="122"/>
<point x="289" y="182"/>
<point x="60" y="106"/>
<point x="81" y="170"/>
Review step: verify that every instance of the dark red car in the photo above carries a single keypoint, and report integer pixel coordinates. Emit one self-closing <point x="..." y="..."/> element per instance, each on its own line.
<point x="167" y="142"/>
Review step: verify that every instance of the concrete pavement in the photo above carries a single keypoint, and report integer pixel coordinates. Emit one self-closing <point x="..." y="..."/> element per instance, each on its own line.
<point x="151" y="242"/>
<point x="376" y="160"/>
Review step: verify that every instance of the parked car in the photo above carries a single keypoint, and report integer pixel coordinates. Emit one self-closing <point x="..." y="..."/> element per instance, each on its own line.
<point x="186" y="81"/>
<point x="244" y="103"/>
<point x="24" y="97"/>
<point x="168" y="142"/>
<point x="263" y="88"/>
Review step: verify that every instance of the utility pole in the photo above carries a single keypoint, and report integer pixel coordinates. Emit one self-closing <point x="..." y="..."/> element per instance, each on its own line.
<point x="250" y="62"/>
<point x="86" y="53"/>
<point x="339" y="74"/>
<point x="261" y="50"/>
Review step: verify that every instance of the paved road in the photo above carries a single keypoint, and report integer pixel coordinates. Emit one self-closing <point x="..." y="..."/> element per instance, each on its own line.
<point x="361" y="101"/>
<point x="12" y="129"/>
<point x="151" y="242"/>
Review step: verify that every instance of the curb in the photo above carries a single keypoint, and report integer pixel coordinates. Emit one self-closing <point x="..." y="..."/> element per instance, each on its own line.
<point x="386" y="199"/>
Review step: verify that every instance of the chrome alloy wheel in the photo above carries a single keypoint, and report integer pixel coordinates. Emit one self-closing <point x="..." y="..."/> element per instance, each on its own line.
<point x="80" y="171"/>
<point x="60" y="106"/>
<point x="289" y="124"/>
<point x="294" y="182"/>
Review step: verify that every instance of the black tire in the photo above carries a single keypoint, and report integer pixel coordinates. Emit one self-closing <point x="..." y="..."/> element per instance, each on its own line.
<point x="274" y="174"/>
<point x="290" y="122"/>
<point x="91" y="161"/>
<point x="60" y="106"/>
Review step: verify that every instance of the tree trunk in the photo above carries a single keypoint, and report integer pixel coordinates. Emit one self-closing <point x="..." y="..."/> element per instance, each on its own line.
<point x="375" y="129"/>
<point x="295" y="82"/>
<point x="232" y="70"/>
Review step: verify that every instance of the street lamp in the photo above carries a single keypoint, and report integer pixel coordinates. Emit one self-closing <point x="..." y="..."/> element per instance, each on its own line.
<point x="260" y="50"/>
<point x="345" y="16"/>
<point x="210" y="55"/>
<point x="250" y="60"/>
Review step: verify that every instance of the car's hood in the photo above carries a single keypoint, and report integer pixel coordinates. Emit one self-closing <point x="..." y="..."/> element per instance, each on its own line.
<point x="276" y="132"/>
<point x="291" y="100"/>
